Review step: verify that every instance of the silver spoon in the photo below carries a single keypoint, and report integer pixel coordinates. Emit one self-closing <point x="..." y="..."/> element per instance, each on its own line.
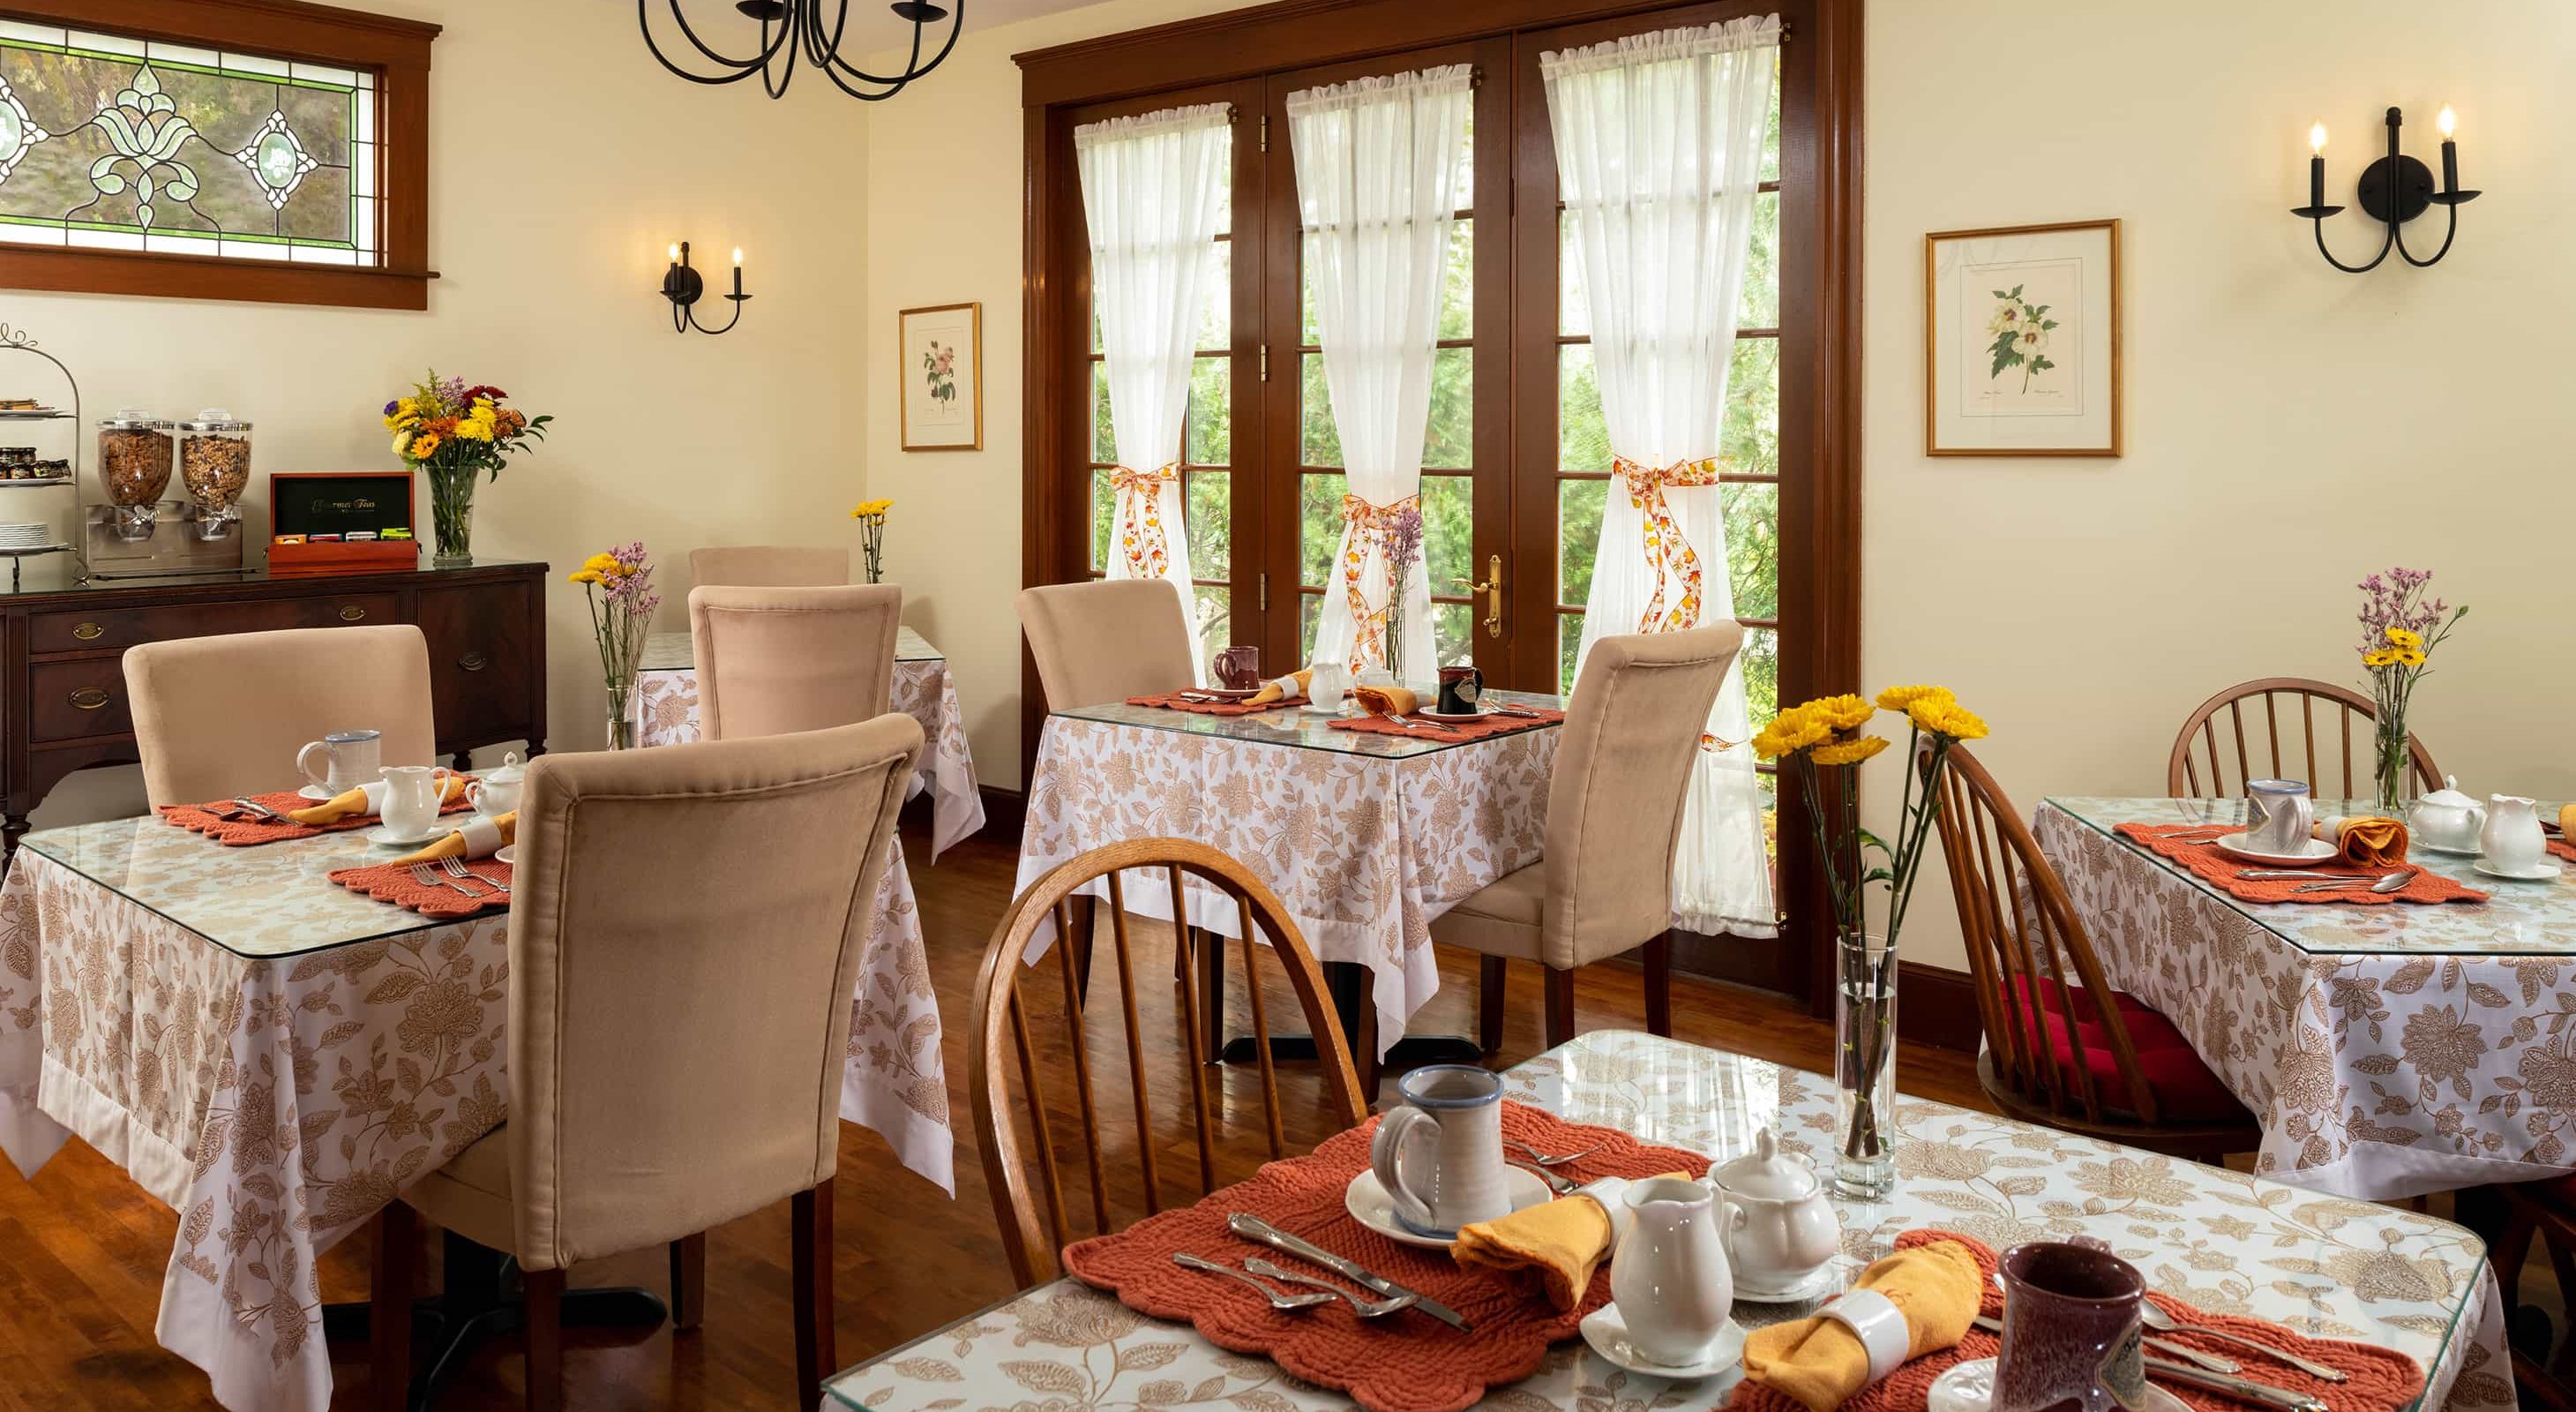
<point x="1544" y="1159"/>
<point x="1278" y="1301"/>
<point x="2394" y="882"/>
<point x="1555" y="1183"/>
<point x="1365" y="1308"/>
<point x="2163" y="1322"/>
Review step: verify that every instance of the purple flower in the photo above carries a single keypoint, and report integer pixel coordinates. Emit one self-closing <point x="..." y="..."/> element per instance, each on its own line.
<point x="1403" y="543"/>
<point x="390" y="406"/>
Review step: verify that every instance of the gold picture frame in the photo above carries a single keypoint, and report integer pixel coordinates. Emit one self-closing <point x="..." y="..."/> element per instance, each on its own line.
<point x="939" y="372"/>
<point x="2030" y="367"/>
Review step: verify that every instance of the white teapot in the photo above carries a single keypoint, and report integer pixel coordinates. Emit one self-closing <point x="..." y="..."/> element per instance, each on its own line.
<point x="2446" y="819"/>
<point x="1783" y="1228"/>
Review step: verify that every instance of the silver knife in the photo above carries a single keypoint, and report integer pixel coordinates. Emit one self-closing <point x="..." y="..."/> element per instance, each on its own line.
<point x="1252" y="1227"/>
<point x="262" y="811"/>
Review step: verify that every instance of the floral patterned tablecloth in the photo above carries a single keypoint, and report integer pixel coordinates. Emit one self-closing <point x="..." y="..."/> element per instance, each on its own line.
<point x="2231" y="1243"/>
<point x="2386" y="1050"/>
<point x="1365" y="837"/>
<point x="276" y="1057"/>
<point x="667" y="701"/>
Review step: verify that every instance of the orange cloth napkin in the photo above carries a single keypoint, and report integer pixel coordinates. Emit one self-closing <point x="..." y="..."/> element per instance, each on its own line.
<point x="1386" y="700"/>
<point x="455" y="846"/>
<point x="1821" y="1362"/>
<point x="2369" y="841"/>
<point x="2567" y="822"/>
<point x="1561" y="1242"/>
<point x="350" y="803"/>
<point x="1277" y="690"/>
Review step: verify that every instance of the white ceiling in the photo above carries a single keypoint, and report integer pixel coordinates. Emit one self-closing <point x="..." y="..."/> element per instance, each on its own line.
<point x="877" y="26"/>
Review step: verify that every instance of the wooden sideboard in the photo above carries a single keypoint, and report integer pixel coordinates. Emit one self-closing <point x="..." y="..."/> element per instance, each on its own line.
<point x="63" y="649"/>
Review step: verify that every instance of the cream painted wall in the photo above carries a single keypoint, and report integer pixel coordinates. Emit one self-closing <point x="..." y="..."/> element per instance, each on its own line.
<point x="562" y="162"/>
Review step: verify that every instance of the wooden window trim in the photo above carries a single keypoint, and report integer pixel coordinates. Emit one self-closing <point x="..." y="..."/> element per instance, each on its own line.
<point x="397" y="49"/>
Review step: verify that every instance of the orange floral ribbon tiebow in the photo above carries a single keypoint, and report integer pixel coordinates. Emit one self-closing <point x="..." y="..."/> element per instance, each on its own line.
<point x="1668" y="550"/>
<point x="1368" y="526"/>
<point x="1140" y="518"/>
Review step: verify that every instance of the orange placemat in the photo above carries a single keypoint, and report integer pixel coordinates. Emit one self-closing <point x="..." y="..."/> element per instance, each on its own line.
<point x="2189" y="845"/>
<point x="242" y="832"/>
<point x="1447" y="733"/>
<point x="1172" y="701"/>
<point x="2382" y="1379"/>
<point x="394" y="883"/>
<point x="1408" y="1362"/>
<point x="2561" y="848"/>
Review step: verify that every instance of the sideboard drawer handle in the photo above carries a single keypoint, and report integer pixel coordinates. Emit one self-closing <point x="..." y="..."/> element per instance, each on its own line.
<point x="352" y="613"/>
<point x="87" y="632"/>
<point x="474" y="661"/>
<point x="90" y="698"/>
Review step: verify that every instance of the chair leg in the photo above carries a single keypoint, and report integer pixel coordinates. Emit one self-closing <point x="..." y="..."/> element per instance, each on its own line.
<point x="689" y="1281"/>
<point x="543" y="1290"/>
<point x="1659" y="986"/>
<point x="1490" y="983"/>
<point x="1211" y="949"/>
<point x="389" y="1311"/>
<point x="811" y="1220"/>
<point x="1560" y="1005"/>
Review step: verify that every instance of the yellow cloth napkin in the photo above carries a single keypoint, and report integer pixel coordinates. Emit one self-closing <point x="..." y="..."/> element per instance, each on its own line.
<point x="1386" y="700"/>
<point x="1271" y="691"/>
<point x="1561" y="1242"/>
<point x="1821" y="1362"/>
<point x="453" y="846"/>
<point x="2567" y="822"/>
<point x="2370" y="842"/>
<point x="349" y="804"/>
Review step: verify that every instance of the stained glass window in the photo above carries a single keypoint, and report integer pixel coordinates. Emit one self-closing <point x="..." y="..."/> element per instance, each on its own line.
<point x="108" y="142"/>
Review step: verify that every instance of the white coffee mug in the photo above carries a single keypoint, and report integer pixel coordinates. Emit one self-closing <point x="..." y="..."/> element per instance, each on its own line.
<point x="2278" y="816"/>
<point x="412" y="798"/>
<point x="1440" y="1156"/>
<point x="352" y="759"/>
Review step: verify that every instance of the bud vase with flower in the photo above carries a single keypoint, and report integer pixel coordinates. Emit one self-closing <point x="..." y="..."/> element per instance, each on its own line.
<point x="2400" y="627"/>
<point x="618" y="586"/>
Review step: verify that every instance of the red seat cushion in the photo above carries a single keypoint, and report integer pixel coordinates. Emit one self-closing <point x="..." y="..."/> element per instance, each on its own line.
<point x="2184" y="1087"/>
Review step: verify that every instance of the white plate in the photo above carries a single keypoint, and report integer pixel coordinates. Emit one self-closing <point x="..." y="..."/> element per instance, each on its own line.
<point x="1970" y="1387"/>
<point x="2316" y="850"/>
<point x="384" y="838"/>
<point x="2453" y="852"/>
<point x="1431" y="715"/>
<point x="1828" y="1280"/>
<point x="509" y="854"/>
<point x="1369" y="1205"/>
<point x="1607" y="1333"/>
<point x="1228" y="693"/>
<point x="2542" y="871"/>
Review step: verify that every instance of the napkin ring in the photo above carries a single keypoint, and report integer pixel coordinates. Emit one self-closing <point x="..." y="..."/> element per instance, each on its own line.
<point x="1880" y="1326"/>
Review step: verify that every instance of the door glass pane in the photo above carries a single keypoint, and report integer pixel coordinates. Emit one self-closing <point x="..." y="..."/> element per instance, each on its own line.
<point x="1319" y="525"/>
<point x="1761" y="661"/>
<point x="1458" y="285"/>
<point x="1450" y="440"/>
<point x="1216" y="620"/>
<point x="1104" y="433"/>
<point x="1216" y="321"/>
<point x="1582" y="437"/>
<point x="1310" y="611"/>
<point x="1759" y="304"/>
<point x="1104" y="513"/>
<point x="1208" y="442"/>
<point x="1448" y="531"/>
<point x="1749" y="439"/>
<point x="1569" y="641"/>
<point x="1453" y="634"/>
<point x="1211" y="504"/>
<point x="1753" y="547"/>
<point x="1573" y="305"/>
<point x="1771" y="135"/>
<point x="1578" y="531"/>
<point x="1307" y="333"/>
<point x="1321" y="441"/>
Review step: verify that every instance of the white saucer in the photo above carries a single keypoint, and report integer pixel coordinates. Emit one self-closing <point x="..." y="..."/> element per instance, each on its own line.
<point x="1828" y="1280"/>
<point x="1607" y="1333"/>
<point x="1970" y="1387"/>
<point x="316" y="792"/>
<point x="1369" y="1205"/>
<point x="384" y="838"/>
<point x="509" y="854"/>
<point x="2450" y="852"/>
<point x="1452" y="716"/>
<point x="2314" y="850"/>
<point x="2545" y="870"/>
<point x="1229" y="693"/>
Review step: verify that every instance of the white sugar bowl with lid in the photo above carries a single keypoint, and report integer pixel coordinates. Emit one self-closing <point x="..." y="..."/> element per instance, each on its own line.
<point x="2446" y="819"/>
<point x="1783" y="1232"/>
<point x="496" y="792"/>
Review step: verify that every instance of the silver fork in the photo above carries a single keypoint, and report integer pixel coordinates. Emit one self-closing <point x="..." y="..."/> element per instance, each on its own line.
<point x="259" y="811"/>
<point x="1365" y="1308"/>
<point x="428" y="876"/>
<point x="1544" y="1159"/>
<point x="455" y="868"/>
<point x="1282" y="1302"/>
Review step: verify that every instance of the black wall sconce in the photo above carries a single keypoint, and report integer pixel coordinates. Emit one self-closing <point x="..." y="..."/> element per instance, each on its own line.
<point x="683" y="286"/>
<point x="2394" y="189"/>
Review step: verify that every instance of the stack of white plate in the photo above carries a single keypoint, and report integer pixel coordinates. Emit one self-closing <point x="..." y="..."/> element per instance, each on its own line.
<point x="26" y="536"/>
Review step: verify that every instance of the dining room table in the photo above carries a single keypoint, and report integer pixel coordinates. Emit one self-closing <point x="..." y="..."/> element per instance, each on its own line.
<point x="2387" y="1050"/>
<point x="1365" y="835"/>
<point x="666" y="706"/>
<point x="276" y="1057"/>
<point x="2227" y="1242"/>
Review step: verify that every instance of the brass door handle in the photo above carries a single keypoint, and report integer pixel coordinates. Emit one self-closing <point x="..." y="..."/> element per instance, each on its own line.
<point x="89" y="698"/>
<point x="1492" y="588"/>
<point x="352" y="613"/>
<point x="88" y="632"/>
<point x="473" y="661"/>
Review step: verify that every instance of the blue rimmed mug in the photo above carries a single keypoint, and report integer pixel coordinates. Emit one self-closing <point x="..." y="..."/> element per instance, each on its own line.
<point x="1440" y="1155"/>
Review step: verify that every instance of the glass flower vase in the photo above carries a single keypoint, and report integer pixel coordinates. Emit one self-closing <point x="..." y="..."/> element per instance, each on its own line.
<point x="622" y="715"/>
<point x="2388" y="745"/>
<point x="451" y="511"/>
<point x="1864" y="1066"/>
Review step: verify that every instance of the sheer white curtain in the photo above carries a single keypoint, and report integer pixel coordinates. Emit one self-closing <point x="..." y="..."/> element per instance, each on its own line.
<point x="1377" y="182"/>
<point x="1152" y="190"/>
<point x="1659" y="149"/>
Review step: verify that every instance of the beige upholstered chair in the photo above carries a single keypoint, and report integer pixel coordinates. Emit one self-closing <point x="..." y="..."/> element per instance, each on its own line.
<point x="220" y="716"/>
<point x="772" y="661"/>
<point x="769" y="566"/>
<point x="1107" y="641"/>
<point x="683" y="948"/>
<point x="1614" y="818"/>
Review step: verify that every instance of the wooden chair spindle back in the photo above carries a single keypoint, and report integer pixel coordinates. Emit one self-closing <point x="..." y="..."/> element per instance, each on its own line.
<point x="2290" y="720"/>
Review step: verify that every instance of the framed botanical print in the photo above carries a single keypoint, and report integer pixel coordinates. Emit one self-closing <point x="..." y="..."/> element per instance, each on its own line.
<point x="2021" y="349"/>
<point x="940" y="359"/>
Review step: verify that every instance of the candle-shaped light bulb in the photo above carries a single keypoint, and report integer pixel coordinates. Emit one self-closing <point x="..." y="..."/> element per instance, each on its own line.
<point x="737" y="254"/>
<point x="2447" y="121"/>
<point x="2317" y="138"/>
<point x="675" y="252"/>
<point x="737" y="272"/>
<point x="2450" y="150"/>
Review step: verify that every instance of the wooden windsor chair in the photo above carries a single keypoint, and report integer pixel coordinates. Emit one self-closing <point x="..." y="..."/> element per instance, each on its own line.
<point x="2063" y="1049"/>
<point x="1010" y="1004"/>
<point x="2547" y="1209"/>
<point x="2222" y="720"/>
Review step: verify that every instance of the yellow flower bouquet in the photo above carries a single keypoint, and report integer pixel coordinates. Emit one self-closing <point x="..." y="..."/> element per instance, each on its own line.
<point x="2400" y="627"/>
<point x="1819" y="743"/>
<point x="617" y="584"/>
<point x="456" y="432"/>
<point x="871" y="515"/>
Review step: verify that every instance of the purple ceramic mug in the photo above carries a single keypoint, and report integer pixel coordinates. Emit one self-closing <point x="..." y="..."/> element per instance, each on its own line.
<point x="1239" y="668"/>
<point x="2072" y="1332"/>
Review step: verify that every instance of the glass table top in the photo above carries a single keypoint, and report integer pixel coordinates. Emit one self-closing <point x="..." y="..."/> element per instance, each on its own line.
<point x="671" y="651"/>
<point x="2226" y="1241"/>
<point x="1301" y="729"/>
<point x="276" y="899"/>
<point x="2520" y="918"/>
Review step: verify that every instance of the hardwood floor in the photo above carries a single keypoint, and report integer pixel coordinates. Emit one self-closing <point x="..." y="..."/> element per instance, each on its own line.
<point x="82" y="1248"/>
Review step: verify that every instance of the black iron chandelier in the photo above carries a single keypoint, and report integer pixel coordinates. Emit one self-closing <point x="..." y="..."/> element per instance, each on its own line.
<point x="793" y="28"/>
